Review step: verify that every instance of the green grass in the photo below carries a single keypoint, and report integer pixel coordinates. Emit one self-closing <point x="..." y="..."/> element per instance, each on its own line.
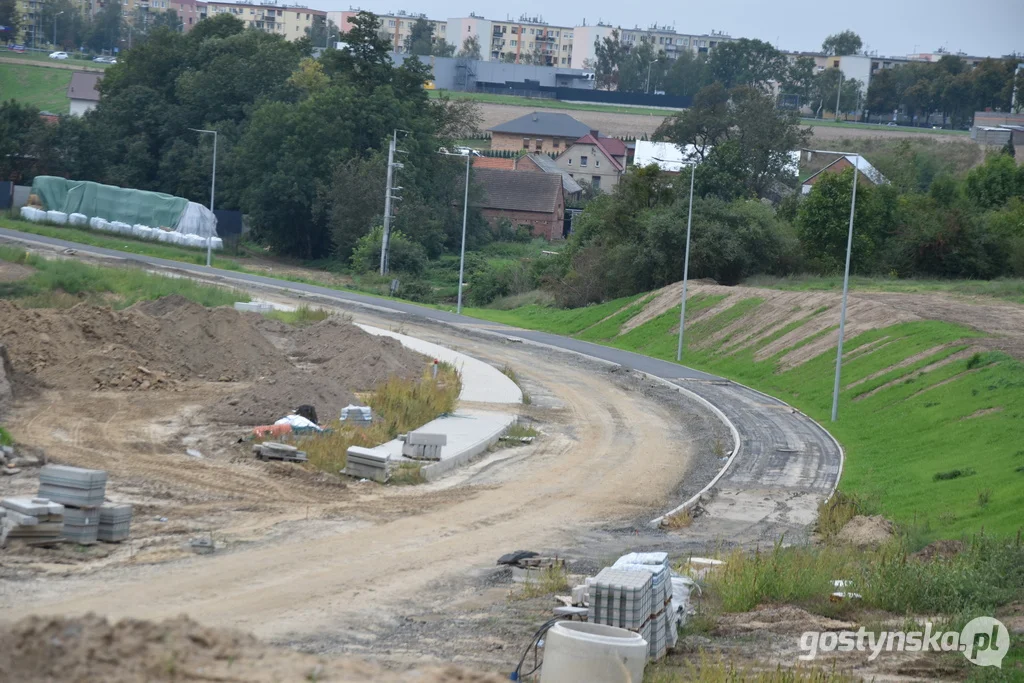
<point x="557" y="320"/>
<point x="39" y="87"/>
<point x="896" y="440"/>
<point x="831" y="123"/>
<point x="544" y="103"/>
<point x="303" y="315"/>
<point x="1010" y="289"/>
<point x="42" y="58"/>
<point x="610" y="326"/>
<point x="716" y="669"/>
<point x="5" y="438"/>
<point x="60" y="283"/>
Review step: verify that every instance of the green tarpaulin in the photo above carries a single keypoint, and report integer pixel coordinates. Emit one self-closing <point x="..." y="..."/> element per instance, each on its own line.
<point x="154" y="209"/>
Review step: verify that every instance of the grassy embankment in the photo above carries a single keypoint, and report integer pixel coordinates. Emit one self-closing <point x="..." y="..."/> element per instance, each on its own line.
<point x="904" y="430"/>
<point x="35" y="85"/>
<point x="61" y="284"/>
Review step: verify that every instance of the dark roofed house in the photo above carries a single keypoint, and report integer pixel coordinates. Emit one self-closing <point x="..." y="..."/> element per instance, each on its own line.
<point x="82" y="91"/>
<point x="545" y="164"/>
<point x="533" y="199"/>
<point x="537" y="132"/>
<point x="867" y="174"/>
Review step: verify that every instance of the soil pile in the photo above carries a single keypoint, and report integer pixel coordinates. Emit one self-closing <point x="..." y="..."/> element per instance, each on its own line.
<point x="164" y="343"/>
<point x="778" y="619"/>
<point x="866" y="532"/>
<point x="89" y="648"/>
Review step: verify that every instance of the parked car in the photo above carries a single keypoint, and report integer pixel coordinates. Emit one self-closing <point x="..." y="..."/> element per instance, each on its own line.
<point x="467" y="150"/>
<point x="892" y="123"/>
<point x="58" y="55"/>
<point x="104" y="60"/>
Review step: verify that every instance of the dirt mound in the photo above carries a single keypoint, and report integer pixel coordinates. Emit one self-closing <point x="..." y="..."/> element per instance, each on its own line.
<point x="341" y="348"/>
<point x="939" y="550"/>
<point x="6" y="388"/>
<point x="778" y="619"/>
<point x="866" y="532"/>
<point x="90" y="648"/>
<point x="270" y="398"/>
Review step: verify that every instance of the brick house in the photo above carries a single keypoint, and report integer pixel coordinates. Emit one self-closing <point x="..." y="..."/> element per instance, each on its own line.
<point x="537" y="132"/>
<point x="595" y="159"/>
<point x="533" y="199"/>
<point x="868" y="174"/>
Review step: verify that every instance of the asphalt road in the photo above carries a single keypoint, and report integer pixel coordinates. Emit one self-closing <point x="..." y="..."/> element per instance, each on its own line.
<point x="787" y="462"/>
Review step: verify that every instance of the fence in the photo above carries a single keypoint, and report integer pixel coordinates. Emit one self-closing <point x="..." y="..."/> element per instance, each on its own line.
<point x="635" y="99"/>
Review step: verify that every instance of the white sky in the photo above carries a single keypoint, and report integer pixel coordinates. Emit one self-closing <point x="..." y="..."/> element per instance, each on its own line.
<point x="893" y="28"/>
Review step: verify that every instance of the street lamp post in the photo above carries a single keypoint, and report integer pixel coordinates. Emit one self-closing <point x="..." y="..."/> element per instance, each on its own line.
<point x="465" y="213"/>
<point x="846" y="279"/>
<point x="647" y="88"/>
<point x="686" y="266"/>
<point x="838" y="93"/>
<point x="55" y="28"/>
<point x="213" y="187"/>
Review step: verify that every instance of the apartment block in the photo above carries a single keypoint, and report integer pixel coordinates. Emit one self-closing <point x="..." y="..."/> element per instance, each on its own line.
<point x="290" y="21"/>
<point x="397" y="26"/>
<point x="519" y="40"/>
<point x="664" y="39"/>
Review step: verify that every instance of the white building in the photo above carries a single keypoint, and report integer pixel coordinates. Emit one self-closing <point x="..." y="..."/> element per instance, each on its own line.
<point x="82" y="92"/>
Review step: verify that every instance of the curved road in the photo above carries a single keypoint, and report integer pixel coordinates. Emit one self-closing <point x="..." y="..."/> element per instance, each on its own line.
<point x="786" y="463"/>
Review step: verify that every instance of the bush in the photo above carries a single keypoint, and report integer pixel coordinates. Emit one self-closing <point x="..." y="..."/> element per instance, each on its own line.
<point x="494" y="281"/>
<point x="405" y="256"/>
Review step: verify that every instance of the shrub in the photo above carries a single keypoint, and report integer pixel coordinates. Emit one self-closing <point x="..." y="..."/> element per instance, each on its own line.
<point x="405" y="255"/>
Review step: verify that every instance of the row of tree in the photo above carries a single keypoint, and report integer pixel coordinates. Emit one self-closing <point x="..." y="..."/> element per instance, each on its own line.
<point x="64" y="24"/>
<point x="302" y="143"/>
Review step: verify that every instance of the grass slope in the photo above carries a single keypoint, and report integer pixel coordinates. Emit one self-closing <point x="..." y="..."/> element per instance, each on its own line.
<point x="40" y="87"/>
<point x="1011" y="289"/>
<point x="964" y="416"/>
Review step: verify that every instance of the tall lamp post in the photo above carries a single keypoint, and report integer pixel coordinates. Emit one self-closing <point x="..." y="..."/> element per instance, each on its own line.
<point x="465" y="213"/>
<point x="55" y="28"/>
<point x="213" y="187"/>
<point x="686" y="254"/>
<point x="647" y="88"/>
<point x="846" y="276"/>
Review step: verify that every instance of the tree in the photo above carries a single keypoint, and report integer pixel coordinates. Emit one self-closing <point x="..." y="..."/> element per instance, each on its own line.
<point x="1009" y="149"/>
<point x="470" y="48"/>
<point x="822" y="222"/>
<point x="747" y="62"/>
<point x="508" y="57"/>
<point x="353" y="200"/>
<point x="321" y="32"/>
<point x="839" y="44"/>
<point x="609" y="54"/>
<point x="701" y="126"/>
<point x="10" y="17"/>
<point x="442" y="48"/>
<point x="798" y="79"/>
<point x="420" y="40"/>
<point x="829" y="84"/>
<point x="106" y="29"/>
<point x="686" y="74"/>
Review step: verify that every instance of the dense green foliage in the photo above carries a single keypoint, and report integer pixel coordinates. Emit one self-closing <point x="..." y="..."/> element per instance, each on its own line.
<point x="301" y="142"/>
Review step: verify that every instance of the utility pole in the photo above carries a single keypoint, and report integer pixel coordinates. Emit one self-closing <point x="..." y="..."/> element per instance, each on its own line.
<point x="846" y="290"/>
<point x="389" y="196"/>
<point x="839" y="92"/>
<point x="462" y="254"/>
<point x="686" y="267"/>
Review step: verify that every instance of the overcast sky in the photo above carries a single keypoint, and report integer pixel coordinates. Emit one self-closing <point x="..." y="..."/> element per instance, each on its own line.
<point x="895" y="27"/>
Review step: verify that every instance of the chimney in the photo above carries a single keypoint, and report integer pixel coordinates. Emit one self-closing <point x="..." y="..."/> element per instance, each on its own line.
<point x="595" y="134"/>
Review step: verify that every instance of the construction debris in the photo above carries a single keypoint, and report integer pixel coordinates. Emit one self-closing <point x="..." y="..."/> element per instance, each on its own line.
<point x="368" y="463"/>
<point x="357" y="414"/>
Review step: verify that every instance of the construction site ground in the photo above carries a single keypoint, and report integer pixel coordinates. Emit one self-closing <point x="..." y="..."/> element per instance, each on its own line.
<point x="406" y="575"/>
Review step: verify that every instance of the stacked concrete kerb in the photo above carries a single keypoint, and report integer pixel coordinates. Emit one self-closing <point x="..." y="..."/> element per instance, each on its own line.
<point x="115" y="523"/>
<point x="33" y="520"/>
<point x="81" y="492"/>
<point x="360" y="415"/>
<point x="422" y="445"/>
<point x="368" y="463"/>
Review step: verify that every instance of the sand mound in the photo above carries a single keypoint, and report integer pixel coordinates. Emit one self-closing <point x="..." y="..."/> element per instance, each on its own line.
<point x="89" y="648"/>
<point x="939" y="550"/>
<point x="778" y="619"/>
<point x="866" y="532"/>
<point x="164" y="343"/>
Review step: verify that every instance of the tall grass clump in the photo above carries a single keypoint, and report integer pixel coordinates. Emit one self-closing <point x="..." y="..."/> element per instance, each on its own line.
<point x="399" y="405"/>
<point x="834" y="513"/>
<point x="710" y="669"/>
<point x="551" y="580"/>
<point x="303" y="315"/>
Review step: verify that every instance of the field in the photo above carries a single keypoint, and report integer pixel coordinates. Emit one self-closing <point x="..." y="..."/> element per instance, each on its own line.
<point x="548" y="103"/>
<point x="35" y="85"/>
<point x="924" y="375"/>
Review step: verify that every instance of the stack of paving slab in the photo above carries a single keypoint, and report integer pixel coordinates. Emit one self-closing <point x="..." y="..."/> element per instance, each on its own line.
<point x="115" y="523"/>
<point x="663" y="631"/>
<point x="357" y="414"/>
<point x="368" y="463"/>
<point x="34" y="520"/>
<point x="81" y="492"/>
<point x="423" y="445"/>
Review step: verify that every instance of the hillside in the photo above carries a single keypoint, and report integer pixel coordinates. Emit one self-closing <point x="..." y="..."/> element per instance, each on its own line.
<point x="923" y="375"/>
<point x="39" y="86"/>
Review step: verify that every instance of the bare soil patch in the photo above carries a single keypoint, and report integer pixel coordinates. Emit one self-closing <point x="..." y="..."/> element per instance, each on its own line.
<point x="90" y="648"/>
<point x="12" y="272"/>
<point x="866" y="532"/>
<point x="778" y="619"/>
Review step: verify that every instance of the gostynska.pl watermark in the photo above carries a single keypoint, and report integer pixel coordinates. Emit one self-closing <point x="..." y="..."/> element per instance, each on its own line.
<point x="983" y="641"/>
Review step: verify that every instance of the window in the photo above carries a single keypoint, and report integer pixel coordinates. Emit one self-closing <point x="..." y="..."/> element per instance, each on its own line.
<point x="564" y="48"/>
<point x="515" y="30"/>
<point x="469" y="29"/>
<point x="583" y="162"/>
<point x="531" y="46"/>
<point x="596" y="181"/>
<point x="563" y="60"/>
<point x="570" y="162"/>
<point x="531" y="31"/>
<point x="597" y="163"/>
<point x="539" y="144"/>
<point x="307" y="16"/>
<point x="280" y="12"/>
<point x="835" y="63"/>
<point x="512" y="43"/>
<point x="526" y="143"/>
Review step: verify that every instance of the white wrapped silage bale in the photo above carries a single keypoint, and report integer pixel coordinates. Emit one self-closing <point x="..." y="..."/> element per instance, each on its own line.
<point x="58" y="217"/>
<point x="120" y="228"/>
<point x="218" y="243"/>
<point x="145" y="232"/>
<point x="26" y="212"/>
<point x="78" y="219"/>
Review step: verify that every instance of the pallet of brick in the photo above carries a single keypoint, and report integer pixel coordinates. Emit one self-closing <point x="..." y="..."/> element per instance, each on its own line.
<point x="81" y="525"/>
<point x="621" y="598"/>
<point x="114" y="523"/>
<point x="657" y="642"/>
<point x="73" y="486"/>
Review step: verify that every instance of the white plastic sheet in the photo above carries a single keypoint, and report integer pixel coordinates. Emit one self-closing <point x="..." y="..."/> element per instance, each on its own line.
<point x="297" y="421"/>
<point x="197" y="220"/>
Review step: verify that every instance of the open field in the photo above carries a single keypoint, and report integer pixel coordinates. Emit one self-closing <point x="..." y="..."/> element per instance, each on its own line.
<point x="924" y="374"/>
<point x="43" y="59"/>
<point x="39" y="87"/>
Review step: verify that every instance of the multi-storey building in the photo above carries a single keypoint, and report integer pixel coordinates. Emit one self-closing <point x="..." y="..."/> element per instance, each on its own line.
<point x="664" y="39"/>
<point x="290" y="21"/>
<point x="397" y="26"/>
<point x="526" y="40"/>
